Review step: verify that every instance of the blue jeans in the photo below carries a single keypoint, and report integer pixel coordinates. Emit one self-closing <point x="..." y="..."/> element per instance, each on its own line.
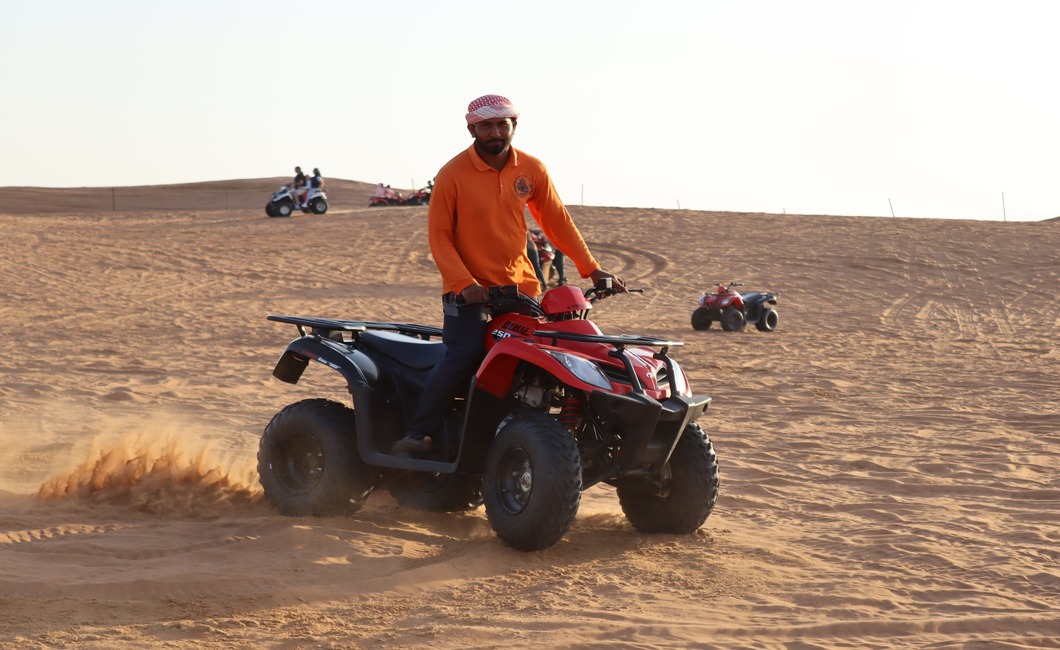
<point x="463" y="332"/>
<point x="557" y="263"/>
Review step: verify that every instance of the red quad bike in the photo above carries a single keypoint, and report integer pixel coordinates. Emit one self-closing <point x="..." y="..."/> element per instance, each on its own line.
<point x="384" y="201"/>
<point x="555" y="407"/>
<point x="735" y="310"/>
<point x="421" y="196"/>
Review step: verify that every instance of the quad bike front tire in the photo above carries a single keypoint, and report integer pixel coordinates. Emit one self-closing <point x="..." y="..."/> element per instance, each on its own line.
<point x="308" y="463"/>
<point x="284" y="208"/>
<point x="732" y="320"/>
<point x="768" y="320"/>
<point x="681" y="495"/>
<point x="269" y="210"/>
<point x="532" y="482"/>
<point x="701" y="319"/>
<point x="442" y="493"/>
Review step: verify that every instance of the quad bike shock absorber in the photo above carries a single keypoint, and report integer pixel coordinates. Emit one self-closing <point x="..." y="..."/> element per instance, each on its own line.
<point x="570" y="413"/>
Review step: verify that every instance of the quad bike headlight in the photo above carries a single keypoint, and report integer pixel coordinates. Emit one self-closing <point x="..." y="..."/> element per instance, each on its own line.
<point x="583" y="369"/>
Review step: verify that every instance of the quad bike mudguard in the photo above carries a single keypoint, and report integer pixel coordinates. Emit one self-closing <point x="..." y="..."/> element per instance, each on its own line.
<point x="649" y="427"/>
<point x="354" y="365"/>
<point x="374" y="428"/>
<point x="755" y="302"/>
<point x="495" y="373"/>
<point x="377" y="418"/>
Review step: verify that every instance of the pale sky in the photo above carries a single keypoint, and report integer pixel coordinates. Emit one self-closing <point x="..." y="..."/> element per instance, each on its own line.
<point x="945" y="108"/>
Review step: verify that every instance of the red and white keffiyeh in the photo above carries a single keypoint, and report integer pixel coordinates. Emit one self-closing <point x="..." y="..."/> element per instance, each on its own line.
<point x="489" y="107"/>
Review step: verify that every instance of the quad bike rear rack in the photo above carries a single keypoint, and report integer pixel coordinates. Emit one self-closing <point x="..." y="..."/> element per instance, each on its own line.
<point x="325" y="326"/>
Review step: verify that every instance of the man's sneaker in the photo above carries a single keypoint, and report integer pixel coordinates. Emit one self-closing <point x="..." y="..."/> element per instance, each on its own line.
<point x="411" y="445"/>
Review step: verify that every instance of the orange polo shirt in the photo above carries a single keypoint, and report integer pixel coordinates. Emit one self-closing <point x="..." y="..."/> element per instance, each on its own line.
<point x="476" y="228"/>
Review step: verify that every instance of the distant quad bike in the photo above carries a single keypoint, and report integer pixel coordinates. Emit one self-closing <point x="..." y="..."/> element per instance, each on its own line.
<point x="735" y="310"/>
<point x="285" y="200"/>
<point x="384" y="201"/>
<point x="555" y="407"/>
<point x="421" y="196"/>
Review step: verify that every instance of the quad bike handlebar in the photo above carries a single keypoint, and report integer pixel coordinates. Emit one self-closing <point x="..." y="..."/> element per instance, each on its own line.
<point x="509" y="295"/>
<point x="502" y="298"/>
<point x="604" y="289"/>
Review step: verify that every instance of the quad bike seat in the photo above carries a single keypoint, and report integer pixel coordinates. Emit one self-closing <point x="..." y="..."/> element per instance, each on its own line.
<point x="409" y="351"/>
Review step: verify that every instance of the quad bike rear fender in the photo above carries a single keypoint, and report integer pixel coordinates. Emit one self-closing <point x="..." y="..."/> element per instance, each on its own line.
<point x="360" y="372"/>
<point x="377" y="426"/>
<point x="755" y="302"/>
<point x="352" y="364"/>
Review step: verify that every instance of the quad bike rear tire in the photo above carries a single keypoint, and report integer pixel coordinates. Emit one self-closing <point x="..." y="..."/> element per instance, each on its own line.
<point x="532" y="482"/>
<point x="681" y="495"/>
<point x="442" y="493"/>
<point x="701" y="319"/>
<point x="768" y="321"/>
<point x="318" y="206"/>
<point x="732" y="320"/>
<point x="308" y="463"/>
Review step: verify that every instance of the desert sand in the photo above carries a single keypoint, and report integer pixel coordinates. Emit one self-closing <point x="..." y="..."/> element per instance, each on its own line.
<point x="889" y="454"/>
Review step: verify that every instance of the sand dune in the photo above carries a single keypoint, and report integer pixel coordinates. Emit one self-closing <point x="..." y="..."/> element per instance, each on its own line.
<point x="889" y="455"/>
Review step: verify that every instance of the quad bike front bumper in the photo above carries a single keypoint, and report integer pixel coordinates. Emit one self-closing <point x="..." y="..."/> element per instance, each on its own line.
<point x="648" y="430"/>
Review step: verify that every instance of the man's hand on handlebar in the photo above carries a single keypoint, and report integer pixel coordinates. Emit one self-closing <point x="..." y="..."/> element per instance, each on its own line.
<point x="617" y="285"/>
<point x="475" y="293"/>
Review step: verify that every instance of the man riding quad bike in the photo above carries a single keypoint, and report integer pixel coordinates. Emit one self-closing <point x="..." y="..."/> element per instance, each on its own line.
<point x="555" y="407"/>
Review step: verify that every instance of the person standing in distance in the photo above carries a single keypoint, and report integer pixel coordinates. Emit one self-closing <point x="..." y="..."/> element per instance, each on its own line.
<point x="477" y="234"/>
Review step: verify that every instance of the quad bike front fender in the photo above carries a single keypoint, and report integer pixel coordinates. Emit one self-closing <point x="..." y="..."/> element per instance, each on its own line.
<point x="498" y="368"/>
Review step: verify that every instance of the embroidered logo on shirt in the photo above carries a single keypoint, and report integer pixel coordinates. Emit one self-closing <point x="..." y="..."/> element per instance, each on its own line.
<point x="523" y="187"/>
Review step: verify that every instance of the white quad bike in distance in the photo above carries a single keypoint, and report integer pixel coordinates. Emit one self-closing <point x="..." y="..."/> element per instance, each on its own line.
<point x="285" y="200"/>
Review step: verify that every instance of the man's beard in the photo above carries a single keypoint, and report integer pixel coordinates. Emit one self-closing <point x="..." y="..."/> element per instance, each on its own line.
<point x="493" y="147"/>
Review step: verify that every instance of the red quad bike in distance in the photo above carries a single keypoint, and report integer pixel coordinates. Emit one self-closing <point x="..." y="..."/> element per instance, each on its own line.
<point x="735" y="310"/>
<point x="421" y="196"/>
<point x="555" y="407"/>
